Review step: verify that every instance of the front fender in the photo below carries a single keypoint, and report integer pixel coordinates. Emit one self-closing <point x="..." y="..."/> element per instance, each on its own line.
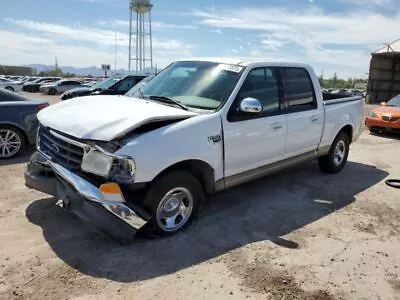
<point x="196" y="138"/>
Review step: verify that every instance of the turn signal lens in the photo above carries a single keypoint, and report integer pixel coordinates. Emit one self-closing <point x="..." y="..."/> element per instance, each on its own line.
<point x="110" y="188"/>
<point x="43" y="105"/>
<point x="112" y="192"/>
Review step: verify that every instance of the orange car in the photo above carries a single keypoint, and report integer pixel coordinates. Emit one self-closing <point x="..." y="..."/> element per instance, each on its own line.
<point x="385" y="117"/>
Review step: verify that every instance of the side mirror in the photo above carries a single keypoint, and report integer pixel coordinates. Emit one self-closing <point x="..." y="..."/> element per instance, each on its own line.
<point x="383" y="103"/>
<point x="251" y="105"/>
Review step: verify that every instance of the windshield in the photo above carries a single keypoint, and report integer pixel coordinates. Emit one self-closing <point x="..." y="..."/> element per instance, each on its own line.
<point x="105" y="84"/>
<point x="394" y="101"/>
<point x="197" y="84"/>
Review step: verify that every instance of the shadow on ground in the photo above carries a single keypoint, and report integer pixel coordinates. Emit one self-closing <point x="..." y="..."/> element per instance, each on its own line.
<point x="23" y="158"/>
<point x="387" y="135"/>
<point x="266" y="209"/>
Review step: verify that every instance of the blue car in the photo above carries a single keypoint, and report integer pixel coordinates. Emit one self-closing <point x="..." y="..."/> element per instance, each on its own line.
<point x="18" y="122"/>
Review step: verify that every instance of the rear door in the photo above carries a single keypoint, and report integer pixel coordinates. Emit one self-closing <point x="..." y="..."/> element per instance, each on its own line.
<point x="304" y="116"/>
<point x="67" y="85"/>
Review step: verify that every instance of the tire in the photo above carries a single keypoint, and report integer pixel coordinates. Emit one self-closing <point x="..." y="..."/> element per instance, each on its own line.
<point x="52" y="92"/>
<point x="9" y="88"/>
<point x="169" y="213"/>
<point x="375" y="131"/>
<point x="336" y="159"/>
<point x="16" y="142"/>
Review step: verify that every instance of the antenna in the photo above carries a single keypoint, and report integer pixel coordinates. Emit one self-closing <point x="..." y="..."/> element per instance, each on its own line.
<point x="143" y="36"/>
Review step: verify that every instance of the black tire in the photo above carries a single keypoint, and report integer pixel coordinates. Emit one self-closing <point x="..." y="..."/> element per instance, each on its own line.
<point x="375" y="131"/>
<point x="52" y="92"/>
<point x="21" y="137"/>
<point x="330" y="163"/>
<point x="394" y="183"/>
<point x="9" y="88"/>
<point x="157" y="194"/>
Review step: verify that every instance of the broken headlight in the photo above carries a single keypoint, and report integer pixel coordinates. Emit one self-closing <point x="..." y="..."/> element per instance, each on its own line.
<point x="119" y="169"/>
<point x="123" y="170"/>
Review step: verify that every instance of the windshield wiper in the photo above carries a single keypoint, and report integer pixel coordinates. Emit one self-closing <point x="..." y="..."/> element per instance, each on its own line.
<point x="168" y="100"/>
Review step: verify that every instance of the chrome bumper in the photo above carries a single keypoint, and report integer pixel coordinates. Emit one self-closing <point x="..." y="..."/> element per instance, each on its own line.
<point x="80" y="186"/>
<point x="92" y="193"/>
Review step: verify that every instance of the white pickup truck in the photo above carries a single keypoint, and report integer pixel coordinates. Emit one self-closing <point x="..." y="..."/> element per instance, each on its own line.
<point x="148" y="160"/>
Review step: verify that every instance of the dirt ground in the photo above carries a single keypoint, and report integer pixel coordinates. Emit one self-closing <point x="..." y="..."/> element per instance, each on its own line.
<point x="299" y="234"/>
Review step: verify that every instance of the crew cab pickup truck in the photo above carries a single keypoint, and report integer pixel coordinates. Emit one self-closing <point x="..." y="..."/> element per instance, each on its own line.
<point x="149" y="161"/>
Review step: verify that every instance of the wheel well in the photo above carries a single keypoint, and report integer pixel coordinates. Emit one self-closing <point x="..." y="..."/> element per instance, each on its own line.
<point x="199" y="169"/>
<point x="348" y="129"/>
<point x="16" y="127"/>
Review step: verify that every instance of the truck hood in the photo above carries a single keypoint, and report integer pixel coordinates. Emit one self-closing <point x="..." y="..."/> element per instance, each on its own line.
<point x="105" y="118"/>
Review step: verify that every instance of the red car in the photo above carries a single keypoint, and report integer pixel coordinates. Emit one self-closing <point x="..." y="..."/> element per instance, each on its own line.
<point x="385" y="117"/>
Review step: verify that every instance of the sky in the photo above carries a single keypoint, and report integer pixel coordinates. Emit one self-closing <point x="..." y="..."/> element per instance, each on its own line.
<point x="331" y="35"/>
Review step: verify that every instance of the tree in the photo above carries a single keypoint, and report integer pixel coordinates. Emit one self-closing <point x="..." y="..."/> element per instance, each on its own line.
<point x="334" y="79"/>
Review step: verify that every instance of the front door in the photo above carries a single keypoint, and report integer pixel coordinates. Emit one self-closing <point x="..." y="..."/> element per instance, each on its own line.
<point x="255" y="140"/>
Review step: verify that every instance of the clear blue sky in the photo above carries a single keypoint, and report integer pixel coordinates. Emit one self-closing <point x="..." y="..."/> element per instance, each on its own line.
<point x="333" y="36"/>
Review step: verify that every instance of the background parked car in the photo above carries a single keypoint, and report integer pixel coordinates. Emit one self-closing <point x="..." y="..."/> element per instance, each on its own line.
<point x="18" y="122"/>
<point x="60" y="86"/>
<point x="34" y="86"/>
<point x="85" y="91"/>
<point x="10" y="85"/>
<point x="136" y="91"/>
<point x="385" y="117"/>
<point x="121" y="87"/>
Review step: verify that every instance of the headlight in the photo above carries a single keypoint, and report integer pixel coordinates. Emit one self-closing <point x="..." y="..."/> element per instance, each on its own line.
<point x="373" y="114"/>
<point x="115" y="168"/>
<point x="97" y="163"/>
<point x="123" y="171"/>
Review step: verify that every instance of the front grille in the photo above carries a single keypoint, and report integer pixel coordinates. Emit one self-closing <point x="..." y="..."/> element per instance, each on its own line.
<point x="390" y="118"/>
<point x="59" y="150"/>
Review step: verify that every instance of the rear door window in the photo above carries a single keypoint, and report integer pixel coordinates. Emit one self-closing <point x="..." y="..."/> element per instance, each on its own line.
<point x="298" y="90"/>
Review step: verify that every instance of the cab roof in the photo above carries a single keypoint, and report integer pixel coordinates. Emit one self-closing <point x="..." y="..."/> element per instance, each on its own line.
<point x="248" y="62"/>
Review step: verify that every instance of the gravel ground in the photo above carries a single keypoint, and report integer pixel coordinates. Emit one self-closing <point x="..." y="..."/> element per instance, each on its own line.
<point x="299" y="234"/>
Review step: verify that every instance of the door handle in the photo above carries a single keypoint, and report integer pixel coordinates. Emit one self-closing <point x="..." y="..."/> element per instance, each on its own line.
<point x="314" y="119"/>
<point x="276" y="126"/>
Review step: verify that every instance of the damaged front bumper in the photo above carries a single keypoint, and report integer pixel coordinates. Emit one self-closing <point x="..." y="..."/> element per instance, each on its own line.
<point x="82" y="198"/>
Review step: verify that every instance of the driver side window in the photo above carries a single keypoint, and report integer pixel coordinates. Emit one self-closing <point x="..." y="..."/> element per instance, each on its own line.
<point x="261" y="84"/>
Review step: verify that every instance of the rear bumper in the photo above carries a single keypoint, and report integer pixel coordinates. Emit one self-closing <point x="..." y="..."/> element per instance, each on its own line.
<point x="82" y="198"/>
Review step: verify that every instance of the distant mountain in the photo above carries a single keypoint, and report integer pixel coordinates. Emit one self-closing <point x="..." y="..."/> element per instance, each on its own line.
<point x="94" y="71"/>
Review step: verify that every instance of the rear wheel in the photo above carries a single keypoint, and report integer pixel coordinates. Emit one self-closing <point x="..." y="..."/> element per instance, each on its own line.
<point x="52" y="92"/>
<point x="12" y="142"/>
<point x="174" y="200"/>
<point x="10" y="88"/>
<point x="336" y="159"/>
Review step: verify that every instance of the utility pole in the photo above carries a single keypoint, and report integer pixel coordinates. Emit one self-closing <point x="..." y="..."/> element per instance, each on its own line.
<point x="115" y="58"/>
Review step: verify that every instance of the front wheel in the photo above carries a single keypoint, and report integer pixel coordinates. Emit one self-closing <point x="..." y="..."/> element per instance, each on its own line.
<point x="174" y="200"/>
<point x="336" y="159"/>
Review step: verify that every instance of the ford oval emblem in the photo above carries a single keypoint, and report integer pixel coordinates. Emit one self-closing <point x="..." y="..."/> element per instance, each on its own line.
<point x="55" y="148"/>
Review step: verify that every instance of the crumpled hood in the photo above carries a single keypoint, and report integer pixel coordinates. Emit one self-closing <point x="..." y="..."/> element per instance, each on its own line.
<point x="104" y="118"/>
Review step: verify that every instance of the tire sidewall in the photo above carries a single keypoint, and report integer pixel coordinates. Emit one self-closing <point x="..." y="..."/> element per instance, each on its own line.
<point x="22" y="138"/>
<point x="164" y="184"/>
<point x="340" y="137"/>
<point x="52" y="92"/>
